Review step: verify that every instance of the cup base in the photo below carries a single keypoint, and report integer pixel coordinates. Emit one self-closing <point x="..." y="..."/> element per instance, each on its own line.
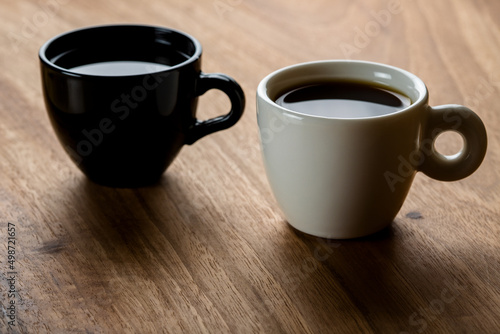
<point x="341" y="235"/>
<point x="129" y="183"/>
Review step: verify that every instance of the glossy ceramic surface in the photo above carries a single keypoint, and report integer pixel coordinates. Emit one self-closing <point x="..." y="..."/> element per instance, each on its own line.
<point x="346" y="178"/>
<point x="125" y="130"/>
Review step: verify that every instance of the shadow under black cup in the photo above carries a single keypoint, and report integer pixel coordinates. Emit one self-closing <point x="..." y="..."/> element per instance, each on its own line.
<point x="124" y="130"/>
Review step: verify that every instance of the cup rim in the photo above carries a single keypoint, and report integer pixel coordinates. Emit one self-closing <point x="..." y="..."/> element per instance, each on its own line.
<point x="43" y="57"/>
<point x="262" y="89"/>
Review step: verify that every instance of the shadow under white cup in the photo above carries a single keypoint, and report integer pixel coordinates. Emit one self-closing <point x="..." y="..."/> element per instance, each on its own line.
<point x="348" y="177"/>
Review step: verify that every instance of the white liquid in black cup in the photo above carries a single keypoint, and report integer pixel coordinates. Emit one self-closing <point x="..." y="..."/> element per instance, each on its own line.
<point x="119" y="68"/>
<point x="343" y="99"/>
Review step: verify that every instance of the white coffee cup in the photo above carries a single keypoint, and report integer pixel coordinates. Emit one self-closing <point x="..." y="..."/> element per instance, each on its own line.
<point x="348" y="177"/>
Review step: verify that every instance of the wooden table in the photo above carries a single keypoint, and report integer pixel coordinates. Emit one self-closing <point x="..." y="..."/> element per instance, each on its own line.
<point x="207" y="249"/>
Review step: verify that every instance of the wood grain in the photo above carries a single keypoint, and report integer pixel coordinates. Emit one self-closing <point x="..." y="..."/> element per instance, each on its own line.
<point x="207" y="250"/>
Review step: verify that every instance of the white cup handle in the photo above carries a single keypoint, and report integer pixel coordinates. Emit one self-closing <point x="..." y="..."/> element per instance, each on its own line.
<point x="463" y="121"/>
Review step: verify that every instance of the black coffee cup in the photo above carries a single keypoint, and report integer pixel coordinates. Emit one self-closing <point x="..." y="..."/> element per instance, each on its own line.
<point x="122" y="99"/>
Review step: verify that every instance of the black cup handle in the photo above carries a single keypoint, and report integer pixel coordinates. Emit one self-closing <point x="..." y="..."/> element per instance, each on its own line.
<point x="233" y="90"/>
